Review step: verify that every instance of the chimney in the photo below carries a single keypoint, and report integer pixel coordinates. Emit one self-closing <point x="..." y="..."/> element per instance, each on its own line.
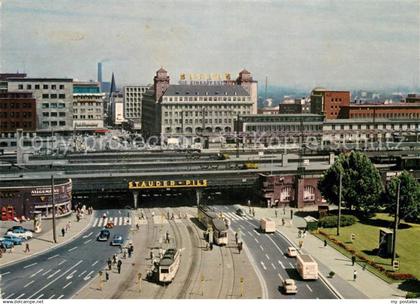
<point x="100" y="72"/>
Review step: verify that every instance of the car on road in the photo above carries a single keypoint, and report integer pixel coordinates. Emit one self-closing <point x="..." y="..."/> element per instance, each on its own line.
<point x="109" y="225"/>
<point x="14" y="239"/>
<point x="20" y="232"/>
<point x="117" y="240"/>
<point x="292" y="252"/>
<point x="289" y="286"/>
<point x="104" y="235"/>
<point x="6" y="244"/>
<point x="239" y="212"/>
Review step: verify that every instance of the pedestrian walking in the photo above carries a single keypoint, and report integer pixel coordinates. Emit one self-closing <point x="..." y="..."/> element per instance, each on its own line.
<point x="129" y="252"/>
<point x="304" y="234"/>
<point x="109" y="264"/>
<point x="138" y="226"/>
<point x="106" y="276"/>
<point x="236" y="237"/>
<point x="119" y="266"/>
<point x="240" y="247"/>
<point x="114" y="259"/>
<point x="69" y="224"/>
<point x="353" y="260"/>
<point x="211" y="246"/>
<point x="299" y="234"/>
<point x="282" y="221"/>
<point x="300" y="244"/>
<point x="132" y="248"/>
<point x="325" y="243"/>
<point x="275" y="212"/>
<point x="167" y="237"/>
<point x="151" y="255"/>
<point x="27" y="247"/>
<point x="354" y="275"/>
<point x="63" y="232"/>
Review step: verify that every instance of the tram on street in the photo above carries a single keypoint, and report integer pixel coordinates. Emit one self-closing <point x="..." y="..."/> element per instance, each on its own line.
<point x="165" y="270"/>
<point x="211" y="220"/>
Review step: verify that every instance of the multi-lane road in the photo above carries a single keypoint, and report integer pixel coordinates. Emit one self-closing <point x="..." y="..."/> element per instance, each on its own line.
<point x="268" y="254"/>
<point x="62" y="271"/>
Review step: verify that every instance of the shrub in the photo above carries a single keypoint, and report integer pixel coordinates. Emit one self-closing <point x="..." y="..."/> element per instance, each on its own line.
<point x="412" y="295"/>
<point x="331" y="221"/>
<point x="400" y="276"/>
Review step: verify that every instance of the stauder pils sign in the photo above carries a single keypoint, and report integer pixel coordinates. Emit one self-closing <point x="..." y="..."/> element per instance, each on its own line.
<point x="189" y="183"/>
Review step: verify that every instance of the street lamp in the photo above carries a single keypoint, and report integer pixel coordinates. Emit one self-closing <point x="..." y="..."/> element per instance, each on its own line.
<point x="53" y="209"/>
<point x="397" y="212"/>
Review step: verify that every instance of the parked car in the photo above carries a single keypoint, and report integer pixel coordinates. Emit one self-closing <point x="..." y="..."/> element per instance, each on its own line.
<point x="14" y="239"/>
<point x="239" y="212"/>
<point x="117" y="240"/>
<point x="6" y="244"/>
<point x="20" y="232"/>
<point x="104" y="235"/>
<point x="289" y="286"/>
<point x="292" y="252"/>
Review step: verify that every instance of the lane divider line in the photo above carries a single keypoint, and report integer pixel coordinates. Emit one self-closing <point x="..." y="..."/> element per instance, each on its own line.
<point x="36" y="273"/>
<point x="27" y="266"/>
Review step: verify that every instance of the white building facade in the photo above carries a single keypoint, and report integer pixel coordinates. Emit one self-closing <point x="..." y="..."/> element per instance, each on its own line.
<point x="88" y="106"/>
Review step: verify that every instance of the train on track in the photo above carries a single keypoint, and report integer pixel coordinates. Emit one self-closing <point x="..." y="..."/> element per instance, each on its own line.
<point x="214" y="222"/>
<point x="165" y="270"/>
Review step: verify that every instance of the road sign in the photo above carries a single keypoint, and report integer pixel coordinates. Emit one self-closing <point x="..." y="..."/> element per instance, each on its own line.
<point x="396" y="265"/>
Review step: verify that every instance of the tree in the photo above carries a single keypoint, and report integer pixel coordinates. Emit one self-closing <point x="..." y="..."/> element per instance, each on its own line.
<point x="409" y="196"/>
<point x="361" y="182"/>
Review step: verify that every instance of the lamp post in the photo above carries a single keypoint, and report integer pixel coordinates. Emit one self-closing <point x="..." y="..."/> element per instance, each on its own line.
<point x="339" y="204"/>
<point x="53" y="209"/>
<point x="397" y="213"/>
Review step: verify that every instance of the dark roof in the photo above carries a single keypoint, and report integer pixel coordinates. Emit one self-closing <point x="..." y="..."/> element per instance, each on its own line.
<point x="203" y="90"/>
<point x="40" y="79"/>
<point x="168" y="257"/>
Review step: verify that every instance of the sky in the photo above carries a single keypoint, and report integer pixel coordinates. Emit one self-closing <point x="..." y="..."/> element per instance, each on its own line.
<point x="337" y="44"/>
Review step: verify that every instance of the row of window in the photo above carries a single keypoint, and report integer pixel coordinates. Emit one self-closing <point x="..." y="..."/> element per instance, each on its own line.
<point x="284" y="128"/>
<point x="375" y="127"/>
<point x="210" y="98"/>
<point x="88" y="116"/>
<point x="53" y="96"/>
<point x="206" y="113"/>
<point x="15" y="124"/>
<point x="15" y="105"/>
<point x="53" y="114"/>
<point x="47" y="124"/>
<point x="53" y="105"/>
<point x="87" y="104"/>
<point x="15" y="114"/>
<point x="198" y="121"/>
<point x="75" y="111"/>
<point x="386" y="115"/>
<point x="198" y="129"/>
<point x="44" y="87"/>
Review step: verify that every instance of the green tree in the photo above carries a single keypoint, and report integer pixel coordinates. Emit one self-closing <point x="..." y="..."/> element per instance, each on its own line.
<point x="361" y="182"/>
<point x="409" y="196"/>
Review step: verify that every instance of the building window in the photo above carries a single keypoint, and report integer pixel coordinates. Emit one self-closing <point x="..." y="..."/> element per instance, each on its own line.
<point x="45" y="105"/>
<point x="20" y="86"/>
<point x="29" y="87"/>
<point x="62" y="114"/>
<point x="45" y="86"/>
<point x="45" y="96"/>
<point x="62" y="96"/>
<point x="46" y="114"/>
<point x="61" y="86"/>
<point x="54" y="114"/>
<point x="53" y="87"/>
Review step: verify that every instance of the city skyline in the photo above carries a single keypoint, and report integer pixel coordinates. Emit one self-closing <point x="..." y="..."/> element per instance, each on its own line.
<point x="334" y="44"/>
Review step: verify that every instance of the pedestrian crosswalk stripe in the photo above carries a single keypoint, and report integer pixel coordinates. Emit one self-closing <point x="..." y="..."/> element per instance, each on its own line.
<point x="120" y="221"/>
<point x="95" y="222"/>
<point x="99" y="223"/>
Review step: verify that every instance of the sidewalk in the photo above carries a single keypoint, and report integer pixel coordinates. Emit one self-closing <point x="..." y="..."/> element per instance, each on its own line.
<point x="43" y="241"/>
<point x="367" y="284"/>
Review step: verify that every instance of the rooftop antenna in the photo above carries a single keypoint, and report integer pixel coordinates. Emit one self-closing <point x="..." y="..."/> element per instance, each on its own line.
<point x="265" y="93"/>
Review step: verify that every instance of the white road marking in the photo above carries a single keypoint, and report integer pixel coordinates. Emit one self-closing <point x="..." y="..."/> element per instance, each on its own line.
<point x="10" y="295"/>
<point x="120" y="221"/>
<point x="30" y="283"/>
<point x="48" y="271"/>
<point x="61" y="275"/>
<point x="87" y="277"/>
<point x="88" y="235"/>
<point x="281" y="264"/>
<point x="20" y="296"/>
<point x="100" y="222"/>
<point x="266" y="255"/>
<point x="281" y="278"/>
<point x="36" y="273"/>
<point x="262" y="264"/>
<point x="51" y="296"/>
<point x="54" y="256"/>
<point x="310" y="289"/>
<point x="291" y="265"/>
<point x="119" y="211"/>
<point x="71" y="275"/>
<point x="85" y="242"/>
<point x="62" y="296"/>
<point x="95" y="263"/>
<point x="95" y="222"/>
<point x="5" y="273"/>
<point x="262" y="248"/>
<point x="27" y="266"/>
<point x="71" y="249"/>
<point x="256" y="240"/>
<point x="82" y="273"/>
<point x="249" y="232"/>
<point x="40" y="296"/>
<point x="51" y="275"/>
<point x="62" y="262"/>
<point x="67" y="285"/>
<point x="274" y="267"/>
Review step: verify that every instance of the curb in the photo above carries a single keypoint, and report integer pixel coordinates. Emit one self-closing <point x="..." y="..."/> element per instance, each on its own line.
<point x="53" y="247"/>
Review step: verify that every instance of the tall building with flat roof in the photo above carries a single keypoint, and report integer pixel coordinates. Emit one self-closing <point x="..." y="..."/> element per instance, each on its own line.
<point x="329" y="103"/>
<point x="17" y="111"/>
<point x="88" y="108"/>
<point x="54" y="101"/>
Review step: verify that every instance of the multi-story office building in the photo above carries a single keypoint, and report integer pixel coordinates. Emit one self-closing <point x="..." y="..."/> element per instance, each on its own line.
<point x="17" y="111"/>
<point x="54" y="101"/>
<point x="133" y="96"/>
<point x="117" y="108"/>
<point x="399" y="110"/>
<point x="329" y="103"/>
<point x="197" y="109"/>
<point x="88" y="108"/>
